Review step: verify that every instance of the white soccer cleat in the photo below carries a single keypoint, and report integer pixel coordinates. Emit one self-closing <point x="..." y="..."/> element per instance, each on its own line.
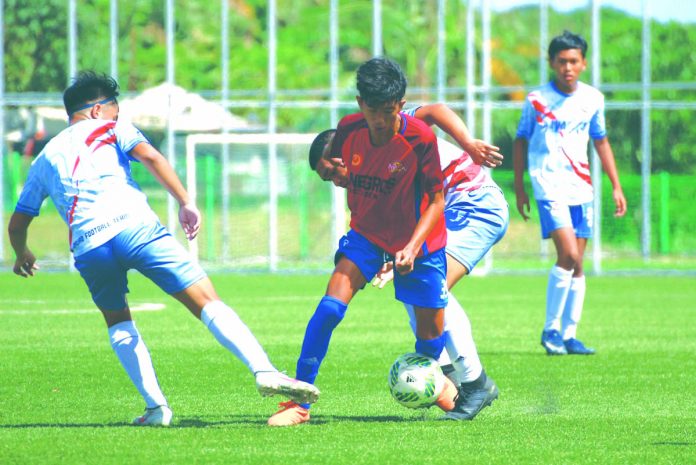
<point x="270" y="383"/>
<point x="157" y="416"/>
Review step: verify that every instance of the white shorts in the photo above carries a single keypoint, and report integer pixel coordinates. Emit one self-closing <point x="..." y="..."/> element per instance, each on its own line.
<point x="475" y="223"/>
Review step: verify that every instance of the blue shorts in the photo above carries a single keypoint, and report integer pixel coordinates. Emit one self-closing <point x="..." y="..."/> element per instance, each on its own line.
<point x="148" y="248"/>
<point x="474" y="224"/>
<point x="555" y="215"/>
<point x="425" y="286"/>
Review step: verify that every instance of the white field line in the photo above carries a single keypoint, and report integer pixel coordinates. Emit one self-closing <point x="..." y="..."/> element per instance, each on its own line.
<point x="144" y="307"/>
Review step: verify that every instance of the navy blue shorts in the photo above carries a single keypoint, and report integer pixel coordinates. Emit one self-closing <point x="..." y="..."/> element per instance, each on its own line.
<point x="425" y="286"/>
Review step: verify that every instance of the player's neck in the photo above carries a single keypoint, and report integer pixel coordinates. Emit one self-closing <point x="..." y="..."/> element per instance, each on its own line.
<point x="566" y="88"/>
<point x="381" y="138"/>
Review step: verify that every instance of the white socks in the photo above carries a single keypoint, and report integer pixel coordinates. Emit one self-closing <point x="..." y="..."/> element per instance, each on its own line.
<point x="235" y="336"/>
<point x="135" y="358"/>
<point x="460" y="342"/>
<point x="556" y="296"/>
<point x="573" y="307"/>
<point x="461" y="350"/>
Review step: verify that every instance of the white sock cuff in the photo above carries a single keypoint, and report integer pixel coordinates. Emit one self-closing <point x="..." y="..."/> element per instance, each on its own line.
<point x="561" y="273"/>
<point x="577" y="283"/>
<point x="212" y="310"/>
<point x="122" y="330"/>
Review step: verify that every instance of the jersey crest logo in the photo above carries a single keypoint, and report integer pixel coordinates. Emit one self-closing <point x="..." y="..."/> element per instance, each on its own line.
<point x="396" y="167"/>
<point x="356" y="160"/>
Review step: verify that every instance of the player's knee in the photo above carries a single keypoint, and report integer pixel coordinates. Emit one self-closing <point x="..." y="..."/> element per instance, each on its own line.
<point x="568" y="260"/>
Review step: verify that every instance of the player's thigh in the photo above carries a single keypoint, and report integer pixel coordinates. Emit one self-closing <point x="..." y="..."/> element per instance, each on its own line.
<point x="566" y="246"/>
<point x="426" y="285"/>
<point x="154" y="252"/>
<point x="473" y="227"/>
<point x="357" y="261"/>
<point x="105" y="277"/>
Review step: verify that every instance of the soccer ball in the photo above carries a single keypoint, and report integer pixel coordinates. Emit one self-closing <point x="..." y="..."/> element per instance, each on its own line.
<point x="415" y="381"/>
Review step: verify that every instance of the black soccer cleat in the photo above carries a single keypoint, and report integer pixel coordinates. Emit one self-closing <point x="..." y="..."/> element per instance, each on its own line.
<point x="472" y="398"/>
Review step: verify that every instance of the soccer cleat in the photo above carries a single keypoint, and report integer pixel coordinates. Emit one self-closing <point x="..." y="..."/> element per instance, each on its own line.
<point x="270" y="383"/>
<point x="575" y="347"/>
<point x="446" y="398"/>
<point x="553" y="342"/>
<point x="156" y="416"/>
<point x="290" y="414"/>
<point x="472" y="398"/>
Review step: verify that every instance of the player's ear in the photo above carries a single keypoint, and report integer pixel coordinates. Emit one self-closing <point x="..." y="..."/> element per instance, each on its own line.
<point x="95" y="111"/>
<point x="401" y="104"/>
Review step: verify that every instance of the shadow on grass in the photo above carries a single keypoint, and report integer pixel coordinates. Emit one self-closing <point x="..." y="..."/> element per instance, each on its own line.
<point x="231" y="420"/>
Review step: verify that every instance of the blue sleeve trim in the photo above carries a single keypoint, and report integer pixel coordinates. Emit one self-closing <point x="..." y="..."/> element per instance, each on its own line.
<point x="26" y="210"/>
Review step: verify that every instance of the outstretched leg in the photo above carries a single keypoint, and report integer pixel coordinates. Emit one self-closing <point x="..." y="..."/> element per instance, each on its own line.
<point x="231" y="332"/>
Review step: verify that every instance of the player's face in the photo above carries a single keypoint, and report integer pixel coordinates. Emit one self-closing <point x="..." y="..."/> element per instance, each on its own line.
<point x="383" y="120"/>
<point x="568" y="64"/>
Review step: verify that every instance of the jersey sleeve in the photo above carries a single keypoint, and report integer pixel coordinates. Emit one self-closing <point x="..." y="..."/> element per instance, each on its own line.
<point x="34" y="191"/>
<point x="411" y="111"/>
<point x="525" y="127"/>
<point x="128" y="136"/>
<point x="598" y="129"/>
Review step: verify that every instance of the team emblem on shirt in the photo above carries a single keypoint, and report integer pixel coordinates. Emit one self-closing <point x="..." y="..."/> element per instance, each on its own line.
<point x="396" y="167"/>
<point x="356" y="160"/>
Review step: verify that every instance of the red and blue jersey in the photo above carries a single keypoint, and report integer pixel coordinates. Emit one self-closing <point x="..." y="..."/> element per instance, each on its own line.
<point x="389" y="186"/>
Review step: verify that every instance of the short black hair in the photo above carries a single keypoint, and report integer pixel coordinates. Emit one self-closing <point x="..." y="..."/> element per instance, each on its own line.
<point x="567" y="41"/>
<point x="380" y="81"/>
<point x="86" y="87"/>
<point x="317" y="148"/>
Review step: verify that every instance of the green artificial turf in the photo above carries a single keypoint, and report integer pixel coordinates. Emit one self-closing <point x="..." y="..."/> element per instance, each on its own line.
<point x="64" y="398"/>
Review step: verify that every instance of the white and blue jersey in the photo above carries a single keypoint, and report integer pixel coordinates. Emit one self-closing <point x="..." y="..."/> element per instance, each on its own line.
<point x="476" y="213"/>
<point x="86" y="171"/>
<point x="558" y="127"/>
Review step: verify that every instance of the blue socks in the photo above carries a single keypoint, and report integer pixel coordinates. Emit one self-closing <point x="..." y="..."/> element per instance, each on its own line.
<point x="327" y="316"/>
<point x="431" y="347"/>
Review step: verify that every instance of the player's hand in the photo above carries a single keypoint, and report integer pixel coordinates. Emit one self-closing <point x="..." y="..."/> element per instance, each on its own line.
<point x="404" y="261"/>
<point x="25" y="265"/>
<point x="523" y="204"/>
<point x="620" y="202"/>
<point x="484" y="154"/>
<point x="190" y="220"/>
<point x="384" y="275"/>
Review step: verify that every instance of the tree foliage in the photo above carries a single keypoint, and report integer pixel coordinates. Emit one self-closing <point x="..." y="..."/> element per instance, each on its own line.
<point x="36" y="56"/>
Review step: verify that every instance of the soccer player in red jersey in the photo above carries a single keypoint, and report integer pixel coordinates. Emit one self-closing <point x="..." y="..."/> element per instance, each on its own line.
<point x="396" y="199"/>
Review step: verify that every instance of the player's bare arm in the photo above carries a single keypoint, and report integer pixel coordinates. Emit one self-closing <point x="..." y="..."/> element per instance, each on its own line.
<point x="404" y="259"/>
<point x="606" y="155"/>
<point x="25" y="261"/>
<point x="157" y="164"/>
<point x="442" y="116"/>
<point x="519" y="153"/>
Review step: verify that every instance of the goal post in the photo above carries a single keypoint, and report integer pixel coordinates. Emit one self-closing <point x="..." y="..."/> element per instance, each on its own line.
<point x="250" y="155"/>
